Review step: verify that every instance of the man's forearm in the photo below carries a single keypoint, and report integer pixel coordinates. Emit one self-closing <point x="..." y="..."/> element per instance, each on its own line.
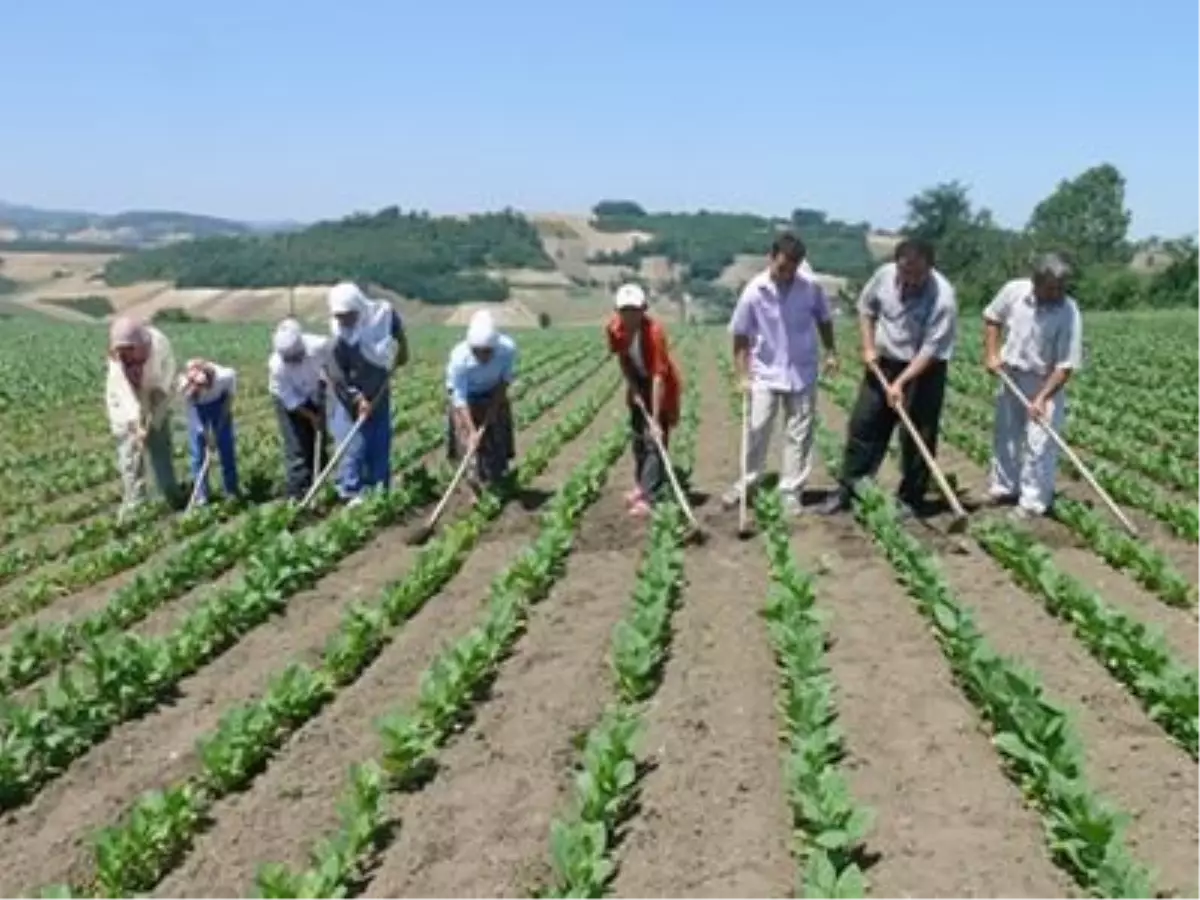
<point x="741" y="359"/>
<point x="1054" y="383"/>
<point x="825" y="329"/>
<point x="916" y="368"/>
<point x="866" y="335"/>
<point x="991" y="339"/>
<point x="656" y="395"/>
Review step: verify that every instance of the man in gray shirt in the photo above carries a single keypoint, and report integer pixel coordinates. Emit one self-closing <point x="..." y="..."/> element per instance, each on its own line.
<point x="1042" y="349"/>
<point x="907" y="319"/>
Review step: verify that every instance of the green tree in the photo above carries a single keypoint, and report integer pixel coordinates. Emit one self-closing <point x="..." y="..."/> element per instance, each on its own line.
<point x="1086" y="217"/>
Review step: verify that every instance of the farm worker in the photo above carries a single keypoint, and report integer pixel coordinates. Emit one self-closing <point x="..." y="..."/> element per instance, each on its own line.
<point x="208" y="391"/>
<point x="775" y="326"/>
<point x="651" y="376"/>
<point x="368" y="346"/>
<point x="141" y="372"/>
<point x="1042" y="348"/>
<point x="478" y="373"/>
<point x="295" y="383"/>
<point x="907" y="321"/>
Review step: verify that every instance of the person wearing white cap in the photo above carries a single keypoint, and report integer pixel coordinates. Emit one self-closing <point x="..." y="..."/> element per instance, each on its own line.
<point x="208" y="391"/>
<point x="141" y="372"/>
<point x="368" y="346"/>
<point x="651" y="376"/>
<point x="296" y="385"/>
<point x="478" y="373"/>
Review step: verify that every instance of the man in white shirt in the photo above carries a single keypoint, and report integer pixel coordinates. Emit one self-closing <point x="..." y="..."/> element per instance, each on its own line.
<point x="141" y="372"/>
<point x="1042" y="349"/>
<point x="296" y="385"/>
<point x="208" y="391"/>
<point x="478" y="373"/>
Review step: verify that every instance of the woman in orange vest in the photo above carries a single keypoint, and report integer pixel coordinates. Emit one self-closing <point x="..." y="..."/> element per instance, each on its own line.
<point x="651" y="376"/>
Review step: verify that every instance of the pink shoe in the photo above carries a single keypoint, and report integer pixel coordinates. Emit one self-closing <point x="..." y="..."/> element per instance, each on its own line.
<point x="634" y="496"/>
<point x="640" y="509"/>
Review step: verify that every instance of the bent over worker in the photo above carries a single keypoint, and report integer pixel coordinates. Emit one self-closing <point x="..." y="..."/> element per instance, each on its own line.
<point x="1043" y="348"/>
<point x="651" y="380"/>
<point x="775" y="326"/>
<point x="368" y="346"/>
<point x="141" y="375"/>
<point x="295" y="383"/>
<point x="907" y="321"/>
<point x="208" y="391"/>
<point x="478" y="374"/>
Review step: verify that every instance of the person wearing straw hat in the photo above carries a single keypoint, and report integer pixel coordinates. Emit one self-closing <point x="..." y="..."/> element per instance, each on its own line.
<point x="479" y="370"/>
<point x="208" y="391"/>
<point x="141" y="374"/>
<point x="1042" y="349"/>
<point x="368" y="346"/>
<point x="640" y="344"/>
<point x="296" y="386"/>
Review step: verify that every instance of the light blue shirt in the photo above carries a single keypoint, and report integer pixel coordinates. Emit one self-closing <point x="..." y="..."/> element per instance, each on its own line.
<point x="467" y="377"/>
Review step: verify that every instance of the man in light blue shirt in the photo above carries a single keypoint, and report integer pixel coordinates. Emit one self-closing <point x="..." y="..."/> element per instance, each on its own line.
<point x="479" y="420"/>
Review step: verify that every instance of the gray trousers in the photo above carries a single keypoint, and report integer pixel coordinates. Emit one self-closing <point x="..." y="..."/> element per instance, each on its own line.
<point x="131" y="461"/>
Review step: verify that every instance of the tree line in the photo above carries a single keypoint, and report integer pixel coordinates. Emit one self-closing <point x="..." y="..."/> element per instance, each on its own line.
<point x="1084" y="219"/>
<point x="440" y="260"/>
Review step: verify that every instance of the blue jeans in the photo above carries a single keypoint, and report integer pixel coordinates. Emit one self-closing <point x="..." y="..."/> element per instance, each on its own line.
<point x="367" y="461"/>
<point x="201" y="419"/>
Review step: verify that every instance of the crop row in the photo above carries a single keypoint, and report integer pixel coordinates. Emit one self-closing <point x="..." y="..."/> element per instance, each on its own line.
<point x="119" y="677"/>
<point x="148" y="841"/>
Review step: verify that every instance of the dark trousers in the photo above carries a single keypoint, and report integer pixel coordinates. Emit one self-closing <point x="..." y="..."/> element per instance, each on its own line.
<point x="873" y="420"/>
<point x="498" y="446"/>
<point x="299" y="448"/>
<point x="649" y="470"/>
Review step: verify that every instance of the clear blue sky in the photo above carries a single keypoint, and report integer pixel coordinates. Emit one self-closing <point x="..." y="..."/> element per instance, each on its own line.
<point x="268" y="109"/>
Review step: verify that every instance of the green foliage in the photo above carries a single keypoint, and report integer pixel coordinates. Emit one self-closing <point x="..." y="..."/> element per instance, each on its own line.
<point x="93" y="305"/>
<point x="1084" y="218"/>
<point x="615" y="209"/>
<point x="439" y="260"/>
<point x="169" y="314"/>
<point x="9" y="285"/>
<point x="706" y="242"/>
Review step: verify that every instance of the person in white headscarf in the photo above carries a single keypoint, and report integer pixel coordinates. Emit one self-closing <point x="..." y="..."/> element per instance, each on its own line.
<point x="208" y="389"/>
<point x="478" y="373"/>
<point x="295" y="381"/>
<point x="141" y="373"/>
<point x="368" y="346"/>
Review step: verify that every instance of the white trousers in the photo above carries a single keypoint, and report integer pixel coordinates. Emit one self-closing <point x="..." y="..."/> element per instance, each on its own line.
<point x="799" y="415"/>
<point x="1024" y="456"/>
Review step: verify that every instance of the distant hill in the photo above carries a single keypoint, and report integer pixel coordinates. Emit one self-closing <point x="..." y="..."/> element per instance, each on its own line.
<point x="30" y="225"/>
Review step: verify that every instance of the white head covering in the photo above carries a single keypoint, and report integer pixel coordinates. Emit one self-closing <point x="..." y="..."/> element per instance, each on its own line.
<point x="630" y="296"/>
<point x="346" y="297"/>
<point x="288" y="339"/>
<point x="481" y="332"/>
<point x="126" y="331"/>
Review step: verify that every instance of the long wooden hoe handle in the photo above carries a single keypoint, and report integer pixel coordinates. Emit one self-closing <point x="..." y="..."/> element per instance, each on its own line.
<point x="1071" y="455"/>
<point x="942" y="483"/>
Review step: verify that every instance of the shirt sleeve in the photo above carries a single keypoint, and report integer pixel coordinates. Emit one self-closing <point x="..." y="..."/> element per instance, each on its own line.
<point x="397" y="330"/>
<point x="279" y="387"/>
<point x="741" y="323"/>
<point x="662" y="358"/>
<point x="820" y="305"/>
<point x="509" y="370"/>
<point x="456" y="383"/>
<point x="123" y="410"/>
<point x="868" y="297"/>
<point x="998" y="311"/>
<point x="940" y="331"/>
<point x="224" y="380"/>
<point x="1070" y="343"/>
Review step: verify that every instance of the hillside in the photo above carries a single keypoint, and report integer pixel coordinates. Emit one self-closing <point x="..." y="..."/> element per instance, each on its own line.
<point x="27" y="225"/>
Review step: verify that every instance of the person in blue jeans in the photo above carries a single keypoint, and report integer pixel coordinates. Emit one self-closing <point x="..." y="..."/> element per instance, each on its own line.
<point x="208" y="391"/>
<point x="368" y="346"/>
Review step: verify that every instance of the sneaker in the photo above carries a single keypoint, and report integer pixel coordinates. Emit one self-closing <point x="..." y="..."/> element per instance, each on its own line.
<point x="640" y="509"/>
<point x="356" y="500"/>
<point x="792" y="507"/>
<point x="837" y="502"/>
<point x="633" y="496"/>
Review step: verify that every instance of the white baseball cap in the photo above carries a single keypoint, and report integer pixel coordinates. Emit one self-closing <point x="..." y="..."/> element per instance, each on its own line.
<point x="481" y="332"/>
<point x="630" y="296"/>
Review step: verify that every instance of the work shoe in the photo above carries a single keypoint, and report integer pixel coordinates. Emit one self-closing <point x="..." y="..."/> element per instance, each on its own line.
<point x="837" y="502"/>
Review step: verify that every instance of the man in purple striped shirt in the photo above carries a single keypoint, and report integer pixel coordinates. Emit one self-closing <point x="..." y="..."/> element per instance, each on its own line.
<point x="775" y="327"/>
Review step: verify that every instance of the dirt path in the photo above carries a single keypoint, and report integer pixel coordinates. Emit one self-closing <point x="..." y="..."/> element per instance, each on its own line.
<point x="482" y="827"/>
<point x="304" y="783"/>
<point x="1129" y="759"/>
<point x="916" y="753"/>
<point x="714" y="820"/>
<point x="49" y="838"/>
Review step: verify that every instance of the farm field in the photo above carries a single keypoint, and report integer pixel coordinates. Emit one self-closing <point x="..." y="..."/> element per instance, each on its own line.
<point x="550" y="699"/>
